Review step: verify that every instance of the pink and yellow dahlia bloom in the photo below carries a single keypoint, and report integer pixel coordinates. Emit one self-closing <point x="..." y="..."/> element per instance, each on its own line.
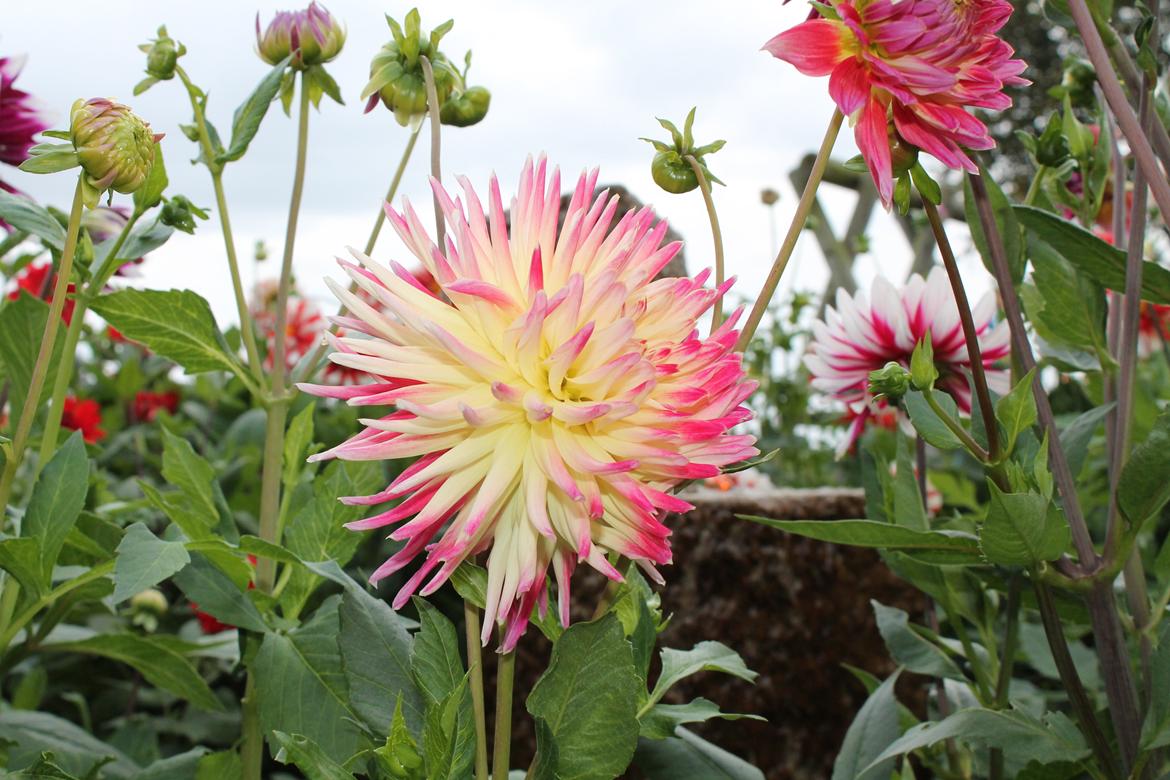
<point x="553" y="392"/>
<point x="864" y="333"/>
<point x="918" y="63"/>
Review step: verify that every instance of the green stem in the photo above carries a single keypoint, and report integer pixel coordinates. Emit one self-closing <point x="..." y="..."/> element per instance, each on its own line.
<point x="974" y="353"/>
<point x="502" y="745"/>
<point x="72" y="337"/>
<point x="40" y="369"/>
<point x="475" y="670"/>
<point x="1003" y="680"/>
<point x="9" y="632"/>
<point x="954" y="427"/>
<point x="1034" y="187"/>
<point x="252" y="746"/>
<point x="247" y="332"/>
<point x="309" y="367"/>
<point x="798" y="219"/>
<point x="716" y="236"/>
<point x="433" y="108"/>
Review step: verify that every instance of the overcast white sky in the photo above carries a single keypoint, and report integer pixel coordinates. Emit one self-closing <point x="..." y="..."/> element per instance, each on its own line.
<point x="579" y="81"/>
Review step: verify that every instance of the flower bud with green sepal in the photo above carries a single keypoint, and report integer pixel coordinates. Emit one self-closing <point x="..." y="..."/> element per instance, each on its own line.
<point x="670" y="168"/>
<point x="396" y="74"/>
<point x="467" y="105"/>
<point x="923" y="372"/>
<point x="890" y="382"/>
<point x="114" y="147"/>
<point x="312" y="37"/>
<point x="162" y="55"/>
<point x="180" y="213"/>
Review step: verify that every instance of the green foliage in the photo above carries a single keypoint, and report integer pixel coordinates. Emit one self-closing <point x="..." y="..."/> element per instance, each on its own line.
<point x="249" y="114"/>
<point x="22" y="323"/>
<point x="1022" y="529"/>
<point x="144" y="560"/>
<point x="939" y="547"/>
<point x="873" y="730"/>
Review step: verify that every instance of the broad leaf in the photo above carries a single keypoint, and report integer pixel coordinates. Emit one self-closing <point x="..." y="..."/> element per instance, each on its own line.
<point x="74" y="749"/>
<point x="217" y="595"/>
<point x="911" y="650"/>
<point x="939" y="547"/>
<point x="248" y="116"/>
<point x="703" y="657"/>
<point x="874" y="728"/>
<point x="909" y="509"/>
<point x="1076" y="435"/>
<point x="57" y="499"/>
<point x="22" y="326"/>
<point x="1005" y="220"/>
<point x="194" y="476"/>
<point x="159" y="663"/>
<point x="470" y="582"/>
<point x="1069" y="308"/>
<point x="21" y="557"/>
<point x="442" y="756"/>
<point x="144" y="560"/>
<point x="399" y="755"/>
<point x="304" y="685"/>
<point x="307" y="757"/>
<point x="1016" y="411"/>
<point x="176" y="324"/>
<point x="662" y="719"/>
<point x="1022" y="529"/>
<point x="689" y="755"/>
<point x="1156" y="729"/>
<point x="928" y="424"/>
<point x="588" y="698"/>
<point x="1144" y="487"/>
<point x="24" y="214"/>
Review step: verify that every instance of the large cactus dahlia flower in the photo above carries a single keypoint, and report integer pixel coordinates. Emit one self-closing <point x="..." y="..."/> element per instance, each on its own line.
<point x="919" y="63"/>
<point x="552" y="393"/>
<point x="863" y="334"/>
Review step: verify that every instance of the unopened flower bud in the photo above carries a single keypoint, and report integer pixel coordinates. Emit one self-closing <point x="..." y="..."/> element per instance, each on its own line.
<point x="466" y="108"/>
<point x="396" y="74"/>
<point x="162" y="56"/>
<point x="114" y="147"/>
<point x="670" y="169"/>
<point x="180" y="213"/>
<point x="891" y="382"/>
<point x="769" y="196"/>
<point x="150" y="600"/>
<point x="311" y="36"/>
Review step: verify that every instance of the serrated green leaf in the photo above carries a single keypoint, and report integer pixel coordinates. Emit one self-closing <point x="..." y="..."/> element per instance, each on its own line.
<point x="662" y="719"/>
<point x="910" y="649"/>
<point x="689" y="755"/>
<point x="308" y="757"/>
<point x="248" y="116"/>
<point x="217" y="595"/>
<point x="194" y="476"/>
<point x="928" y="424"/>
<point x="73" y="748"/>
<point x="57" y="499"/>
<point x="1022" y="529"/>
<point x="144" y="560"/>
<point x="1144" y="487"/>
<point x="22" y="327"/>
<point x="23" y="214"/>
<point x="1016" y="411"/>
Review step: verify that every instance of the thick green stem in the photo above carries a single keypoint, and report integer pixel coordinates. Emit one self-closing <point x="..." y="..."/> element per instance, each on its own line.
<point x="475" y="671"/>
<point x="716" y="237"/>
<point x="247" y="332"/>
<point x="502" y="744"/>
<point x="252" y="745"/>
<point x="1003" y="680"/>
<point x="9" y="632"/>
<point x="41" y="368"/>
<point x="309" y="367"/>
<point x="72" y="337"/>
<point x="970" y="334"/>
<point x="798" y="219"/>
<point x="436" y="157"/>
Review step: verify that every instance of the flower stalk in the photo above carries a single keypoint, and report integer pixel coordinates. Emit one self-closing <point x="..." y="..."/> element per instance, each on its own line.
<point x="502" y="744"/>
<point x="803" y="207"/>
<point x="716" y="236"/>
<point x="41" y="368"/>
<point x="436" y="150"/>
<point x="475" y="671"/>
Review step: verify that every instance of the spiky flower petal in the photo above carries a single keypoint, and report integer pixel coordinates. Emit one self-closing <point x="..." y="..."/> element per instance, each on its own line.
<point x="918" y="63"/>
<point x="862" y="334"/>
<point x="553" y="393"/>
<point x="20" y="118"/>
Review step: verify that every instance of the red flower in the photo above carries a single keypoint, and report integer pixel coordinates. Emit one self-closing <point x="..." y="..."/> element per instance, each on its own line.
<point x="32" y="280"/>
<point x="85" y="416"/>
<point x="148" y="404"/>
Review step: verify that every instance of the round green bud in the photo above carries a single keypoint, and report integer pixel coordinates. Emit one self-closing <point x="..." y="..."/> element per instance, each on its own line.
<point x="466" y="108"/>
<point x="115" y="147"/>
<point x="672" y="173"/>
<point x="161" y="58"/>
<point x="891" y="382"/>
<point x="396" y="72"/>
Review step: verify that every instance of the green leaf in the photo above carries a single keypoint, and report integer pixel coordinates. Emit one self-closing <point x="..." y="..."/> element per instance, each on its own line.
<point x="662" y="719"/>
<point x="296" y="444"/>
<point x="1020" y="736"/>
<point x="441" y="755"/>
<point x="194" y="476"/>
<point x="21" y="557"/>
<point x="922" y="370"/>
<point x="174" y="504"/>
<point x="305" y="692"/>
<point x="141" y="241"/>
<point x="23" y="214"/>
<point x="544" y="765"/>
<point x="1022" y="529"/>
<point x="159" y="663"/>
<point x="687" y="755"/>
<point x="1073" y="306"/>
<point x="909" y="504"/>
<point x="73" y="748"/>
<point x="22" y="327"/>
<point x="874" y="728"/>
<point x="248" y="116"/>
<point x="1016" y="411"/>
<point x="588" y="698"/>
<point x="176" y="324"/>
<point x="909" y="649"/>
<point x="399" y="755"/>
<point x="182" y="766"/>
<point x="1076" y="435"/>
<point x="437" y="668"/>
<point x="307" y="757"/>
<point x="1144" y="487"/>
<point x="938" y="547"/>
<point x="144" y="560"/>
<point x="1100" y="260"/>
<point x="1156" y="729"/>
<point x="703" y="657"/>
<point x="57" y="499"/>
<point x="376" y="658"/>
<point x="217" y="766"/>
<point x="1005" y="220"/>
<point x="217" y="595"/>
<point x="928" y="424"/>
<point x="150" y="193"/>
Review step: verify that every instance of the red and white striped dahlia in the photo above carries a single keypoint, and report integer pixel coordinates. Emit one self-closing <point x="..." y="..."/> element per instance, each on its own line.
<point x="554" y="392"/>
<point x="863" y="334"/>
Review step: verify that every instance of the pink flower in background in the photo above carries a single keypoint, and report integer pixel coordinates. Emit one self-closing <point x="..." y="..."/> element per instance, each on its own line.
<point x="303" y="324"/>
<point x="553" y="395"/>
<point x="863" y="334"/>
<point x="20" y="119"/>
<point x="921" y="63"/>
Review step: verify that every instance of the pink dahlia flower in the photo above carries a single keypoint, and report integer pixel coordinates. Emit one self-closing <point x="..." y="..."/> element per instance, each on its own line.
<point x="20" y="119"/>
<point x="303" y="325"/>
<point x="921" y="63"/>
<point x="553" y="393"/>
<point x="863" y="334"/>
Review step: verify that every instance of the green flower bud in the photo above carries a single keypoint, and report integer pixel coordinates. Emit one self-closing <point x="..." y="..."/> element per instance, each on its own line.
<point x="396" y="74"/>
<point x="115" y="147"/>
<point x="466" y="108"/>
<point x="180" y="213"/>
<point x="311" y="36"/>
<point x="891" y="382"/>
<point x="149" y="600"/>
<point x="1052" y="147"/>
<point x="670" y="169"/>
<point x="903" y="156"/>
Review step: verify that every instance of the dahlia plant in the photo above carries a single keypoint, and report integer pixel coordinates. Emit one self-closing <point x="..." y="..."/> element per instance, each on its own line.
<point x="527" y="402"/>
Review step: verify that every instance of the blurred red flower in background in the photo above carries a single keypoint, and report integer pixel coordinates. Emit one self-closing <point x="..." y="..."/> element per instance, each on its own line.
<point x="83" y="415"/>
